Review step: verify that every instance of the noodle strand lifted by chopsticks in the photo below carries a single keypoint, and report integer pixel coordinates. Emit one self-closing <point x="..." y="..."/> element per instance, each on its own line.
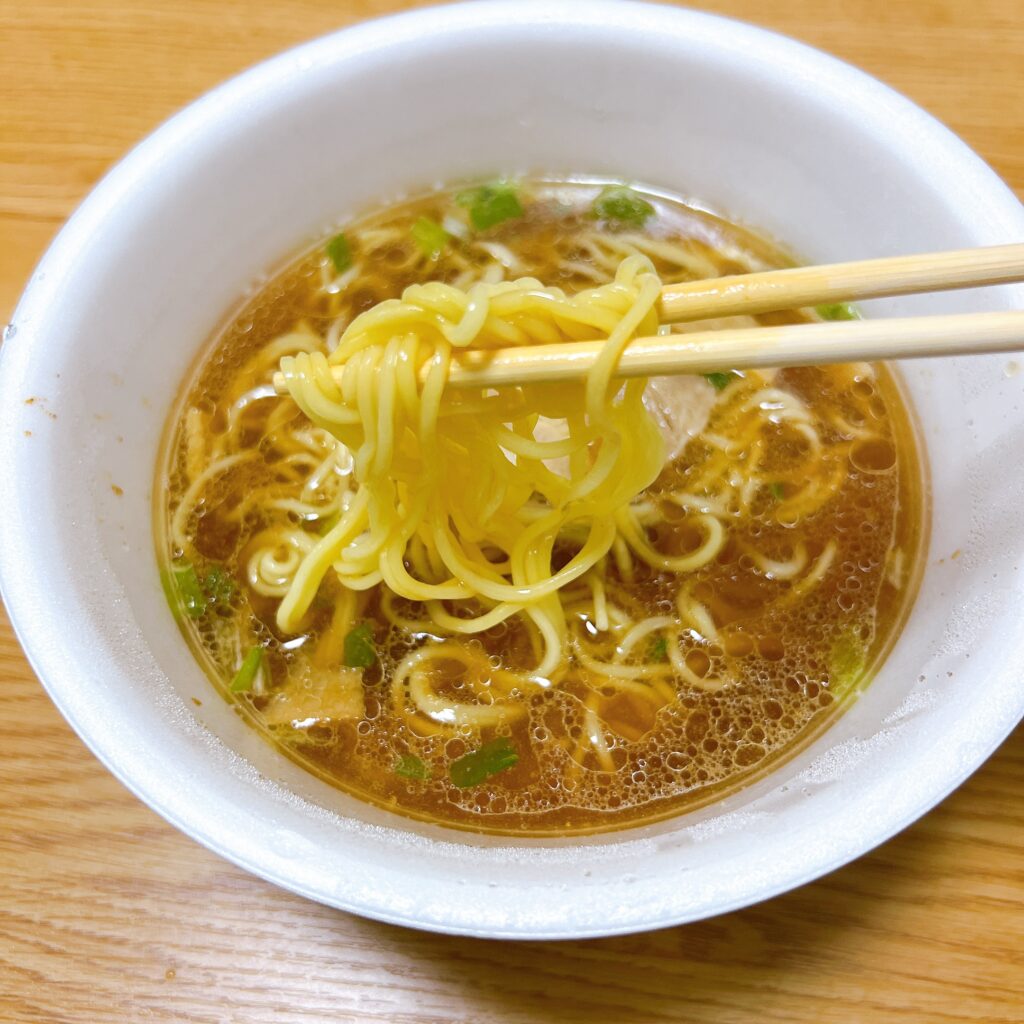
<point x="476" y="499"/>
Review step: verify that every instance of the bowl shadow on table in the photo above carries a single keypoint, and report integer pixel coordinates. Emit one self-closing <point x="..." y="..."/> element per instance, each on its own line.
<point x="877" y="924"/>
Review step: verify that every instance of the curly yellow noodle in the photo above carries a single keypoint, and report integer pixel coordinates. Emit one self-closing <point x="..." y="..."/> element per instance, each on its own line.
<point x="454" y="503"/>
<point x="433" y="496"/>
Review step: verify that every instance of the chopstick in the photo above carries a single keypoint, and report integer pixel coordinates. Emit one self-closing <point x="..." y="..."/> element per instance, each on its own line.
<point x="809" y="344"/>
<point x="772" y="290"/>
<point x="804" y="344"/>
<point x="742" y="348"/>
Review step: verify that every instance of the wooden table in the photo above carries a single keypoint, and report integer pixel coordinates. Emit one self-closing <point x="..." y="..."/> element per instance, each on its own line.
<point x="108" y="914"/>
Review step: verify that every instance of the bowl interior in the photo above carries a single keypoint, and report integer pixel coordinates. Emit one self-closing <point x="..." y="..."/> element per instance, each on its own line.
<point x="756" y="127"/>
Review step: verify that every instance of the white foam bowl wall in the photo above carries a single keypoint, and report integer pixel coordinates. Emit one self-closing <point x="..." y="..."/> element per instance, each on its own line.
<point x="770" y="133"/>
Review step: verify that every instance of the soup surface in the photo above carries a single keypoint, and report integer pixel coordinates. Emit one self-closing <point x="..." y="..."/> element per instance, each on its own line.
<point x="795" y="495"/>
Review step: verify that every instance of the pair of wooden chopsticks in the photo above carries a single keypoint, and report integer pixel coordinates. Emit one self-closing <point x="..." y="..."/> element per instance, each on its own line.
<point x="790" y="345"/>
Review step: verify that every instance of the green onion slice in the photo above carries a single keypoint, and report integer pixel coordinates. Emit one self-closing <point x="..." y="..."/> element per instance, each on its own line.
<point x="837" y="311"/>
<point x="847" y="663"/>
<point x="659" y="649"/>
<point x="430" y="237"/>
<point x="491" y="204"/>
<point x="339" y="252"/>
<point x="619" y="203"/>
<point x="246" y="674"/>
<point x="218" y="586"/>
<point x="359" y="649"/>
<point x="409" y="766"/>
<point x="186" y="592"/>
<point x="471" y="769"/>
<point x="720" y="381"/>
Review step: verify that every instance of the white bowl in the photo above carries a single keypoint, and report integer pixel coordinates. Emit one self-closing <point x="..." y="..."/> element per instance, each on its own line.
<point x="761" y="128"/>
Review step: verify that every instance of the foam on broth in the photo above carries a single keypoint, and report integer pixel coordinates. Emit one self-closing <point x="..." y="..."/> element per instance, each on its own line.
<point x="790" y="656"/>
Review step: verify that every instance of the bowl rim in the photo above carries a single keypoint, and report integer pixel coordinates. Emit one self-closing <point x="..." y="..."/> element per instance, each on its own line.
<point x="22" y="592"/>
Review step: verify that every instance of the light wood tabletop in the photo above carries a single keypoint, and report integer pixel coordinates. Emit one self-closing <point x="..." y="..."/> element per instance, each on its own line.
<point x="109" y="914"/>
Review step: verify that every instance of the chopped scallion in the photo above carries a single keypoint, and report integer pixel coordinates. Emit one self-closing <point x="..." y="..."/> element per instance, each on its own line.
<point x="720" y="381"/>
<point x="339" y="252"/>
<point x="847" y="663"/>
<point x="621" y="204"/>
<point x="359" y="649"/>
<point x="837" y="311"/>
<point x="409" y="766"/>
<point x="246" y="674"/>
<point x="188" y="589"/>
<point x="489" y="205"/>
<point x="218" y="586"/>
<point x="429" y="237"/>
<point x="778" y="491"/>
<point x="471" y="769"/>
<point x="659" y="649"/>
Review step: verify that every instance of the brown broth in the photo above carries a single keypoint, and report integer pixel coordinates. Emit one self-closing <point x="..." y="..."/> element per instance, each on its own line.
<point x="791" y="659"/>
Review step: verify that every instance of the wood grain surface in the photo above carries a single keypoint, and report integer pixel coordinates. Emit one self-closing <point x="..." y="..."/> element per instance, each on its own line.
<point x="107" y="914"/>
